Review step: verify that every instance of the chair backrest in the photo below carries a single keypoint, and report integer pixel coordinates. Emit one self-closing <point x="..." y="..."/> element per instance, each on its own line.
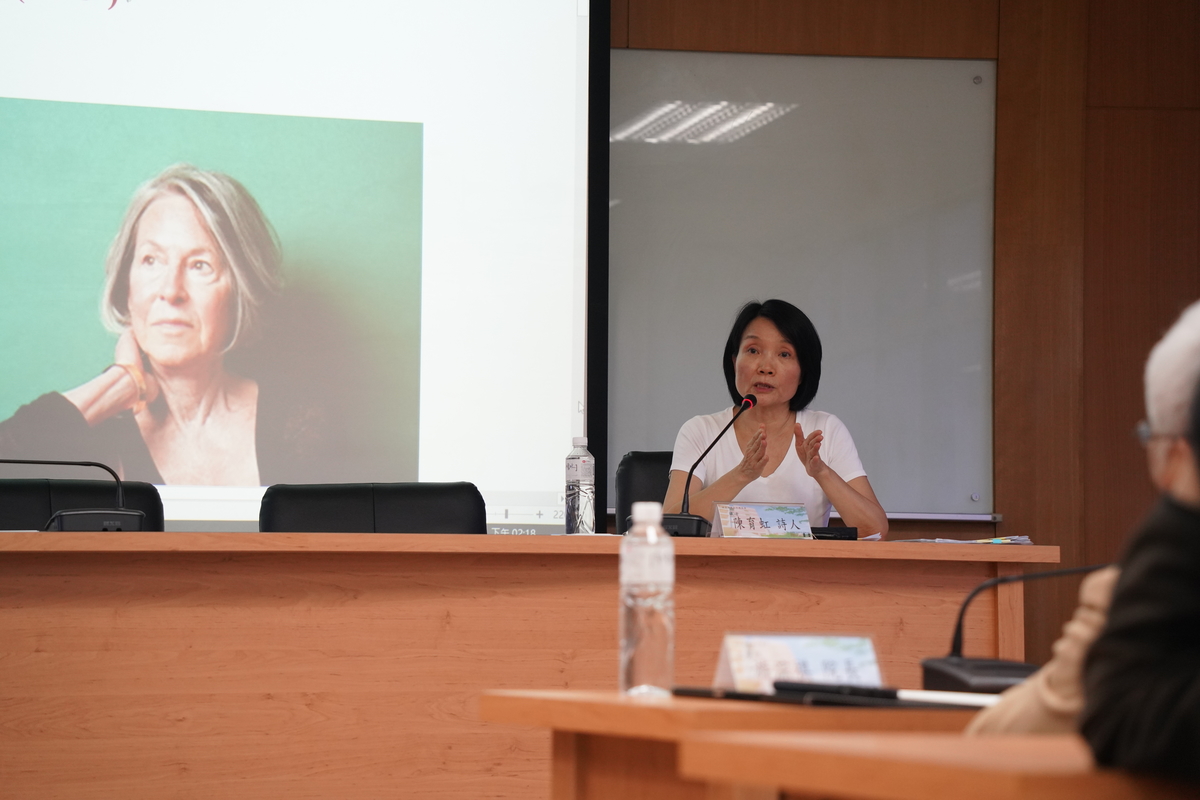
<point x="641" y="475"/>
<point x="28" y="503"/>
<point x="373" y="508"/>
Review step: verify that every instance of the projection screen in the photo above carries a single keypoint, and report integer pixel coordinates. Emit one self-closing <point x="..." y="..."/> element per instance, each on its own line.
<point x="320" y="242"/>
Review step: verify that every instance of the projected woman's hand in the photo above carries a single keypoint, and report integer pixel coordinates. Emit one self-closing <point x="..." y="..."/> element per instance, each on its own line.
<point x="128" y="352"/>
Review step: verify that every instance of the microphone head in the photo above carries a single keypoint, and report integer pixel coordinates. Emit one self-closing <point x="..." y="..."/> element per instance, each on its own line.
<point x="749" y="401"/>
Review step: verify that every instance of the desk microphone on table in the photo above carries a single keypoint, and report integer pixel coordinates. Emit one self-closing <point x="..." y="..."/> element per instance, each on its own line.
<point x="683" y="523"/>
<point x="954" y="673"/>
<point x="90" y="519"/>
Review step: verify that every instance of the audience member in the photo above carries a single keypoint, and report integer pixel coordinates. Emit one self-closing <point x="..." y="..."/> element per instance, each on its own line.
<point x="1052" y="699"/>
<point x="1142" y="675"/>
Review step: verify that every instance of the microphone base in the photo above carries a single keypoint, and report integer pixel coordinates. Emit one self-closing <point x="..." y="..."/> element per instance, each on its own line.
<point x="986" y="675"/>
<point x="686" y="525"/>
<point x="97" y="519"/>
<point x="840" y="534"/>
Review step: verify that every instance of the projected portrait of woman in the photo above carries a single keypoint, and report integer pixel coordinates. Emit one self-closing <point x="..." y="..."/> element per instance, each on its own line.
<point x="186" y="280"/>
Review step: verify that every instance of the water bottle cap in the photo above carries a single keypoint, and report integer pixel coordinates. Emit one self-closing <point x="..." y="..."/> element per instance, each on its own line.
<point x="649" y="513"/>
<point x="579" y="441"/>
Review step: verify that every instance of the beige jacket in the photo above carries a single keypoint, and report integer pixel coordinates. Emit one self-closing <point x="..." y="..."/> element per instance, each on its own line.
<point x="1051" y="700"/>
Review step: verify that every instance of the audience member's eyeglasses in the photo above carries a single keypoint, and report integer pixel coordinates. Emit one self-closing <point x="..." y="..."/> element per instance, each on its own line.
<point x="1145" y="434"/>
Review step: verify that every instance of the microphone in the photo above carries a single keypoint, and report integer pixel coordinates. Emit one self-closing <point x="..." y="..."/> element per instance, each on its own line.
<point x="683" y="523"/>
<point x="954" y="673"/>
<point x="90" y="519"/>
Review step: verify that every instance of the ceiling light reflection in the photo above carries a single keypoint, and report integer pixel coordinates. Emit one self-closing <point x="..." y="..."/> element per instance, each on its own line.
<point x="698" y="123"/>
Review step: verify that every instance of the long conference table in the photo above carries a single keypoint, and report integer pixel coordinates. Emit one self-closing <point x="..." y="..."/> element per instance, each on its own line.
<point x="260" y="665"/>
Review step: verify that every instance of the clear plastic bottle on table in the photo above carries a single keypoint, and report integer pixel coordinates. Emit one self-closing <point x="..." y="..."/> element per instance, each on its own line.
<point x="647" y="605"/>
<point x="581" y="488"/>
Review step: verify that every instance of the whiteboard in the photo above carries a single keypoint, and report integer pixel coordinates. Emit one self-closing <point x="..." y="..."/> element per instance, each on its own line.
<point x="868" y="204"/>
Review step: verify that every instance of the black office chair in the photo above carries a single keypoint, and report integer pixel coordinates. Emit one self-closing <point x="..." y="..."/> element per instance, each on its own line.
<point x="373" y="508"/>
<point x="28" y="503"/>
<point x="641" y="475"/>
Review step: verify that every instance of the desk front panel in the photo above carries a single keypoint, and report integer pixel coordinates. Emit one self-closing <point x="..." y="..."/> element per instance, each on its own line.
<point x="357" y="674"/>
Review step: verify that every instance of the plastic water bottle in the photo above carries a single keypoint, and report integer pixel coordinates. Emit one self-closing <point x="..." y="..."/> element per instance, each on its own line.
<point x="647" y="605"/>
<point x="581" y="488"/>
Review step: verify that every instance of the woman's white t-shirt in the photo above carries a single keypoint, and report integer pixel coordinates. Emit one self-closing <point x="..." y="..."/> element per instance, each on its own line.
<point x="789" y="483"/>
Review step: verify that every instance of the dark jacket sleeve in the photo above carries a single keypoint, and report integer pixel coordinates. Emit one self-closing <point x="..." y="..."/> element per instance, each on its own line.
<point x="1142" y="676"/>
<point x="53" y="429"/>
<point x="48" y="428"/>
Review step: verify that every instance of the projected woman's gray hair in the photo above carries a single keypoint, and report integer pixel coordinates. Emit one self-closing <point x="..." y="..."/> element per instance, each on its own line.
<point x="247" y="241"/>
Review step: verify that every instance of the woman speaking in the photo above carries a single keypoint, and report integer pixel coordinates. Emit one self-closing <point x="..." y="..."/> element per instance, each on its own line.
<point x="185" y="279"/>
<point x="782" y="451"/>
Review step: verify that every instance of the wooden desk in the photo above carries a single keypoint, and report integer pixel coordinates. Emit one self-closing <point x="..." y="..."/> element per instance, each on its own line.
<point x="912" y="766"/>
<point x="350" y="665"/>
<point x="608" y="746"/>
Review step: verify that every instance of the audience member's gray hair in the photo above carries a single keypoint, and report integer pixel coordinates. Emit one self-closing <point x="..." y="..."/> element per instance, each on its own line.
<point x="247" y="241"/>
<point x="1172" y="371"/>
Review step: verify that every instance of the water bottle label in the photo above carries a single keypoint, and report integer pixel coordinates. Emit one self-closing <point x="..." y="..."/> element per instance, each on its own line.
<point x="582" y="469"/>
<point x="647" y="565"/>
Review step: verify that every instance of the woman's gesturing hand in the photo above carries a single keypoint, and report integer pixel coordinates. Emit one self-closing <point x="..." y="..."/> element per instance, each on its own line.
<point x="754" y="459"/>
<point x="808" y="448"/>
<point x="129" y="354"/>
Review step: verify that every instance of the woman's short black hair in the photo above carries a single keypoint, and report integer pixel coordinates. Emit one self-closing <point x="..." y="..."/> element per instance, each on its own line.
<point x="797" y="328"/>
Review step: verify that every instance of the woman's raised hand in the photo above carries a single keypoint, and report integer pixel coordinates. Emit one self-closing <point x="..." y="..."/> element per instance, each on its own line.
<point x="808" y="448"/>
<point x="129" y="353"/>
<point x="124" y="385"/>
<point x="754" y="459"/>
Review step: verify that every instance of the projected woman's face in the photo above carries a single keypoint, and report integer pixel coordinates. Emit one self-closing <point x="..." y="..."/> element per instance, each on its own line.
<point x="766" y="365"/>
<point x="180" y="289"/>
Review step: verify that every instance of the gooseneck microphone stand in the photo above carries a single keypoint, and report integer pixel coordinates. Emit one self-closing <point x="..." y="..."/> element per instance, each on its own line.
<point x="956" y="673"/>
<point x="90" y="519"/>
<point x="683" y="523"/>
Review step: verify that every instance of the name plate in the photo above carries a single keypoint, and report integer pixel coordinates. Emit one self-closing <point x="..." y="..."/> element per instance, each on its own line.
<point x="752" y="662"/>
<point x="761" y="521"/>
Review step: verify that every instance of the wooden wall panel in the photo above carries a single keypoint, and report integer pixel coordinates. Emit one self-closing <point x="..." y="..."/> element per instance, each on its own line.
<point x="1039" y="289"/>
<point x="618" y="15"/>
<point x="1143" y="268"/>
<point x="912" y="28"/>
<point x="1144" y="53"/>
